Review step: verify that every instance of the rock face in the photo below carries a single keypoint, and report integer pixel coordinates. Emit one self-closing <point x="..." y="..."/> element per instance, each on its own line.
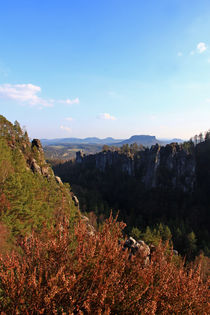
<point x="160" y="166"/>
<point x="170" y="166"/>
<point x="38" y="164"/>
<point x="35" y="159"/>
<point x="34" y="166"/>
<point x="37" y="143"/>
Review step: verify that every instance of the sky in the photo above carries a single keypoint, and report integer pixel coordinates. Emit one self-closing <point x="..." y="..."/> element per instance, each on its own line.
<point x="108" y="68"/>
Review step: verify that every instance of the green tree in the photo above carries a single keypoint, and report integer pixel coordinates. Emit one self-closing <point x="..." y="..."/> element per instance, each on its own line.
<point x="136" y="233"/>
<point x="191" y="243"/>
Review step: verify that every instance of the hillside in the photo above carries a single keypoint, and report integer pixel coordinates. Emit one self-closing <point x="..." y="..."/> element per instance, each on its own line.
<point x="30" y="194"/>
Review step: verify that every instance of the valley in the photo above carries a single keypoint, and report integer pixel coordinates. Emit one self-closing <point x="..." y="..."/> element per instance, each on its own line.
<point x="60" y="254"/>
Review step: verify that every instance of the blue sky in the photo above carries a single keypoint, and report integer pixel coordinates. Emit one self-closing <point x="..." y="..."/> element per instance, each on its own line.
<point x="78" y="68"/>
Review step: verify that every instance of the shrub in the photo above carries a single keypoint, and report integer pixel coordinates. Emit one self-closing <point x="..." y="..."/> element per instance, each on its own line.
<point x="60" y="272"/>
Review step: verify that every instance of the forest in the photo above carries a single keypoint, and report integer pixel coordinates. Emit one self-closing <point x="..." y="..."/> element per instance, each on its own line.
<point x="55" y="260"/>
<point x="176" y="207"/>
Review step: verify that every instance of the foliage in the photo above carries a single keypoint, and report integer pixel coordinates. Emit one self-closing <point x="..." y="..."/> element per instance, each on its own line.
<point x="153" y="236"/>
<point x="27" y="199"/>
<point x="79" y="273"/>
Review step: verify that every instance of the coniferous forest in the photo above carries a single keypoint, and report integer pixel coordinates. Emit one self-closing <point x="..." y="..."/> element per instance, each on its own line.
<point x="56" y="260"/>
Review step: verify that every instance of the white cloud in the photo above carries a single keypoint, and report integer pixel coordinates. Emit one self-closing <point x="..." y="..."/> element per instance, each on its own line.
<point x="29" y="94"/>
<point x="25" y="93"/>
<point x="179" y="54"/>
<point x="106" y="116"/>
<point x="68" y="129"/>
<point x="69" y="102"/>
<point x="201" y="47"/>
<point x="69" y="118"/>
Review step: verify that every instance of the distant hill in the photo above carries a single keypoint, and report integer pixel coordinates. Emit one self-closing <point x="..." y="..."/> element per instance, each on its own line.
<point x="66" y="148"/>
<point x="167" y="141"/>
<point x="177" y="140"/>
<point x="89" y="140"/>
<point x="145" y="140"/>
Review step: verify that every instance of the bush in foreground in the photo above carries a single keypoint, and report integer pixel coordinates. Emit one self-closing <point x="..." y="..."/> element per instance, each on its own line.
<point x="81" y="273"/>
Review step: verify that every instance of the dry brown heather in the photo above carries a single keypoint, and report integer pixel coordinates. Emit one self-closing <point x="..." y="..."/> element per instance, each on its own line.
<point x="79" y="273"/>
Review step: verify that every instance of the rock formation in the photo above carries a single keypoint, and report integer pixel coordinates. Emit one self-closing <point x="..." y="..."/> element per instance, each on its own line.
<point x="38" y="164"/>
<point x="137" y="248"/>
<point x="171" y="166"/>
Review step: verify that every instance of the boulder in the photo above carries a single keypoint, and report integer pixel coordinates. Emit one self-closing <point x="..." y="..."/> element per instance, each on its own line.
<point x="46" y="171"/>
<point x="90" y="228"/>
<point x="137" y="247"/>
<point x="35" y="167"/>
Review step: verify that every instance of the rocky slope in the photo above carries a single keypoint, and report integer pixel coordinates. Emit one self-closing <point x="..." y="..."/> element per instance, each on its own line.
<point x="30" y="194"/>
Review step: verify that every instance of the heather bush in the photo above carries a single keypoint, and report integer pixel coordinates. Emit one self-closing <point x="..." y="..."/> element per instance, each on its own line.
<point x="65" y="272"/>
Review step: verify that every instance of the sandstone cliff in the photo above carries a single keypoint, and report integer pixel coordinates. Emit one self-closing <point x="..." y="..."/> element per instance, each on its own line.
<point x="159" y="166"/>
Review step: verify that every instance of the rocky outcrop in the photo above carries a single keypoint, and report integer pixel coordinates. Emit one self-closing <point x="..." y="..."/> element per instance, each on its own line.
<point x="37" y="144"/>
<point x="58" y="180"/>
<point x="90" y="228"/>
<point x="137" y="248"/>
<point x="34" y="166"/>
<point x="168" y="166"/>
<point x="141" y="249"/>
<point x="37" y="163"/>
<point x="79" y="157"/>
<point x="75" y="200"/>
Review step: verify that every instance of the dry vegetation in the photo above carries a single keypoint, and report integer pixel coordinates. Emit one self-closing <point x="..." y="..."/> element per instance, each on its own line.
<point x="65" y="272"/>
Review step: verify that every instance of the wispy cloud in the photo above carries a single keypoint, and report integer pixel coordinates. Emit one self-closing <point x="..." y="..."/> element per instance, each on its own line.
<point x="69" y="102"/>
<point x="200" y="48"/>
<point x="179" y="54"/>
<point x="69" y="118"/>
<point x="29" y="94"/>
<point x="66" y="128"/>
<point x="106" y="116"/>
